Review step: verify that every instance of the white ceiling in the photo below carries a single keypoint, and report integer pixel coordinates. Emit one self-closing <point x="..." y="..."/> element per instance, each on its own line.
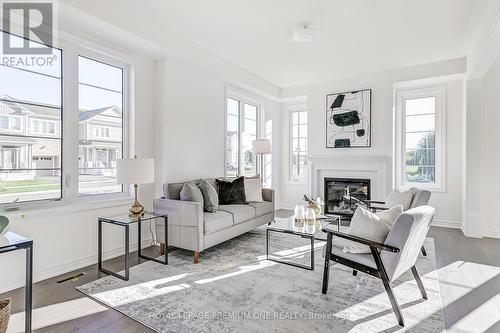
<point x="351" y="37"/>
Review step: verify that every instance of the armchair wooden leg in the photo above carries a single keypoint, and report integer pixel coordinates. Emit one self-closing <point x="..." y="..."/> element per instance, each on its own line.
<point x="162" y="249"/>
<point x="419" y="282"/>
<point x="387" y="286"/>
<point x="196" y="257"/>
<point x="423" y="251"/>
<point x="354" y="272"/>
<point x="394" y="302"/>
<point x="326" y="267"/>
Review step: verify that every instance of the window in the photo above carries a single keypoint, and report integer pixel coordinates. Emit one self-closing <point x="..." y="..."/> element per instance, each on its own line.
<point x="101" y="132"/>
<point x="420" y="119"/>
<point x="241" y="131"/>
<point x="43" y="127"/>
<point x="30" y="165"/>
<point x="10" y="123"/>
<point x="100" y="88"/>
<point x="298" y="144"/>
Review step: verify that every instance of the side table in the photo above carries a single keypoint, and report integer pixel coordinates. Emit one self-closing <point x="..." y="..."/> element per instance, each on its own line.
<point x="11" y="242"/>
<point x="125" y="221"/>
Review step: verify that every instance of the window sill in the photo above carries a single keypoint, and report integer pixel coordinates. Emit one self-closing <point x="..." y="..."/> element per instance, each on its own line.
<point x="59" y="208"/>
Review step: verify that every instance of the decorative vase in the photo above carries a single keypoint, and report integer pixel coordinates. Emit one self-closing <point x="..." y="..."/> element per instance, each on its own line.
<point x="4" y="225"/>
<point x="310" y="220"/>
<point x="299" y="215"/>
<point x="4" y="314"/>
<point x="313" y="204"/>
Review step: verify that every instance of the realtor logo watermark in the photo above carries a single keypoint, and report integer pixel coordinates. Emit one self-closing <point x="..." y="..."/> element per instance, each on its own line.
<point x="28" y="33"/>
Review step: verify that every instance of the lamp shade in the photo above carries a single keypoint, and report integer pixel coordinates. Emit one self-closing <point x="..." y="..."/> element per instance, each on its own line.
<point x="135" y="171"/>
<point x="261" y="146"/>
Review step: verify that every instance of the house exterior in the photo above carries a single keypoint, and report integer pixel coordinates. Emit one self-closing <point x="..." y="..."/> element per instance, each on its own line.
<point x="30" y="144"/>
<point x="100" y="133"/>
<point x="30" y="140"/>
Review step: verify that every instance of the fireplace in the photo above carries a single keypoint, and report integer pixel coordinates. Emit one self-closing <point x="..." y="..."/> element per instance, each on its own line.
<point x="343" y="195"/>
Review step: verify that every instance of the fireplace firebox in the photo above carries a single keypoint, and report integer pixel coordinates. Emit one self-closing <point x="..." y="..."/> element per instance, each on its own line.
<point x="344" y="195"/>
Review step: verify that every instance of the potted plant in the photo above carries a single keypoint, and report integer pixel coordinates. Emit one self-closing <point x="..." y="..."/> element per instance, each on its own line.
<point x="4" y="225"/>
<point x="4" y="314"/>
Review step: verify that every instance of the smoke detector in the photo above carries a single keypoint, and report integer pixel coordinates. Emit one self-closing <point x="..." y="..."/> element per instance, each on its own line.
<point x="302" y="33"/>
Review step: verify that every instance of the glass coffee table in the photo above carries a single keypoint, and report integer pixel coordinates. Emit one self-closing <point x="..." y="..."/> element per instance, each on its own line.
<point x="301" y="229"/>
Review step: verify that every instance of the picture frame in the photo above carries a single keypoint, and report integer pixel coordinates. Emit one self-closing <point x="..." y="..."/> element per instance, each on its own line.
<point x="348" y="119"/>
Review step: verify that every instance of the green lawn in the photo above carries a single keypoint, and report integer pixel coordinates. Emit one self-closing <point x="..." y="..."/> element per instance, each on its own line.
<point x="17" y="186"/>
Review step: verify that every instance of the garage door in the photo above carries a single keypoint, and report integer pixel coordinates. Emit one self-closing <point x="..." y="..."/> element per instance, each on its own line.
<point x="43" y="162"/>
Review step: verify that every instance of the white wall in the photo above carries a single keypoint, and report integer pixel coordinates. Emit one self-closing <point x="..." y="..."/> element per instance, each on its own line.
<point x="490" y="153"/>
<point x="190" y="124"/>
<point x="449" y="207"/>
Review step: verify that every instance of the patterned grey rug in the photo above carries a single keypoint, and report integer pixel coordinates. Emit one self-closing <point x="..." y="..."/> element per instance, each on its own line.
<point x="234" y="289"/>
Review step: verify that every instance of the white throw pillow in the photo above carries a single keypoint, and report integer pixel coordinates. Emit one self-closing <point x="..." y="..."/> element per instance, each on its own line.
<point x="367" y="225"/>
<point x="399" y="198"/>
<point x="389" y="216"/>
<point x="253" y="190"/>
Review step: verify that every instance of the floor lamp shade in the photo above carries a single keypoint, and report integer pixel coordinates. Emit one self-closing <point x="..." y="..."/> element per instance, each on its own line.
<point x="135" y="171"/>
<point x="261" y="146"/>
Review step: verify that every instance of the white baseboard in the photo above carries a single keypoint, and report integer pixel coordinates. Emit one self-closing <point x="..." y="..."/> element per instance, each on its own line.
<point x="56" y="270"/>
<point x="491" y="233"/>
<point x="447" y="224"/>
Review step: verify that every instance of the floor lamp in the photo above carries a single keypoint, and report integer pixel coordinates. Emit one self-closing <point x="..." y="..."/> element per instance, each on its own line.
<point x="261" y="147"/>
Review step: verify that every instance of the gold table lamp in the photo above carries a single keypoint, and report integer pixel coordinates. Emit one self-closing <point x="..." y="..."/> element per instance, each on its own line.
<point x="134" y="172"/>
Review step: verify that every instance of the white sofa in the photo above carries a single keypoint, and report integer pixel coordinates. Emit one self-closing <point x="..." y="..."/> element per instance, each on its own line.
<point x="191" y="228"/>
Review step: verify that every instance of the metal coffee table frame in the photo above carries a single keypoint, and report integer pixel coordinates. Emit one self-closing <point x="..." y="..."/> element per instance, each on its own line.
<point x="330" y="220"/>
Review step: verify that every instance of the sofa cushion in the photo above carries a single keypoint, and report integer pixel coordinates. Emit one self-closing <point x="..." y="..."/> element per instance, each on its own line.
<point x="216" y="221"/>
<point x="367" y="225"/>
<point x="191" y="192"/>
<point x="241" y="213"/>
<point x="210" y="196"/>
<point x="232" y="192"/>
<point x="338" y="245"/>
<point x="262" y="208"/>
<point x="173" y="190"/>
<point x="253" y="189"/>
<point x="399" y="198"/>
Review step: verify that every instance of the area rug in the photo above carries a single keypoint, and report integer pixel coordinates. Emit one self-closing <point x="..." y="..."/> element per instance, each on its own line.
<point x="235" y="289"/>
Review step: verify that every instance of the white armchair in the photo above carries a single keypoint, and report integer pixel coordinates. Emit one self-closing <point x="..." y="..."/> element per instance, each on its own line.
<point x="419" y="197"/>
<point x="387" y="261"/>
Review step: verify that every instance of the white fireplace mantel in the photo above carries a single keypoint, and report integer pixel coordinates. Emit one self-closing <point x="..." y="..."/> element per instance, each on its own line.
<point x="376" y="168"/>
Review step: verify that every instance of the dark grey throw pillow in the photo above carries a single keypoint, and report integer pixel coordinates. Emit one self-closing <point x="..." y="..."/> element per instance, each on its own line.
<point x="232" y="192"/>
<point x="210" y="196"/>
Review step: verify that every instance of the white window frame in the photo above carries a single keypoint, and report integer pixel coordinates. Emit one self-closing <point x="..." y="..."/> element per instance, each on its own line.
<point x="439" y="93"/>
<point x="127" y="143"/>
<point x="71" y="47"/>
<point x="291" y="110"/>
<point x="242" y="101"/>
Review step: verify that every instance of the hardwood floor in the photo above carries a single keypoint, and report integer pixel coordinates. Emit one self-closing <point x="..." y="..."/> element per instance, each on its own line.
<point x="469" y="273"/>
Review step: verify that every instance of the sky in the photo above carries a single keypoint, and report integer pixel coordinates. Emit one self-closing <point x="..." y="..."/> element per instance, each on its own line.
<point x="100" y="85"/>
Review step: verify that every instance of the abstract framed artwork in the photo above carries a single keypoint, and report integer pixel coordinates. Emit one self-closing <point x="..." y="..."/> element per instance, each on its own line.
<point x="348" y="119"/>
